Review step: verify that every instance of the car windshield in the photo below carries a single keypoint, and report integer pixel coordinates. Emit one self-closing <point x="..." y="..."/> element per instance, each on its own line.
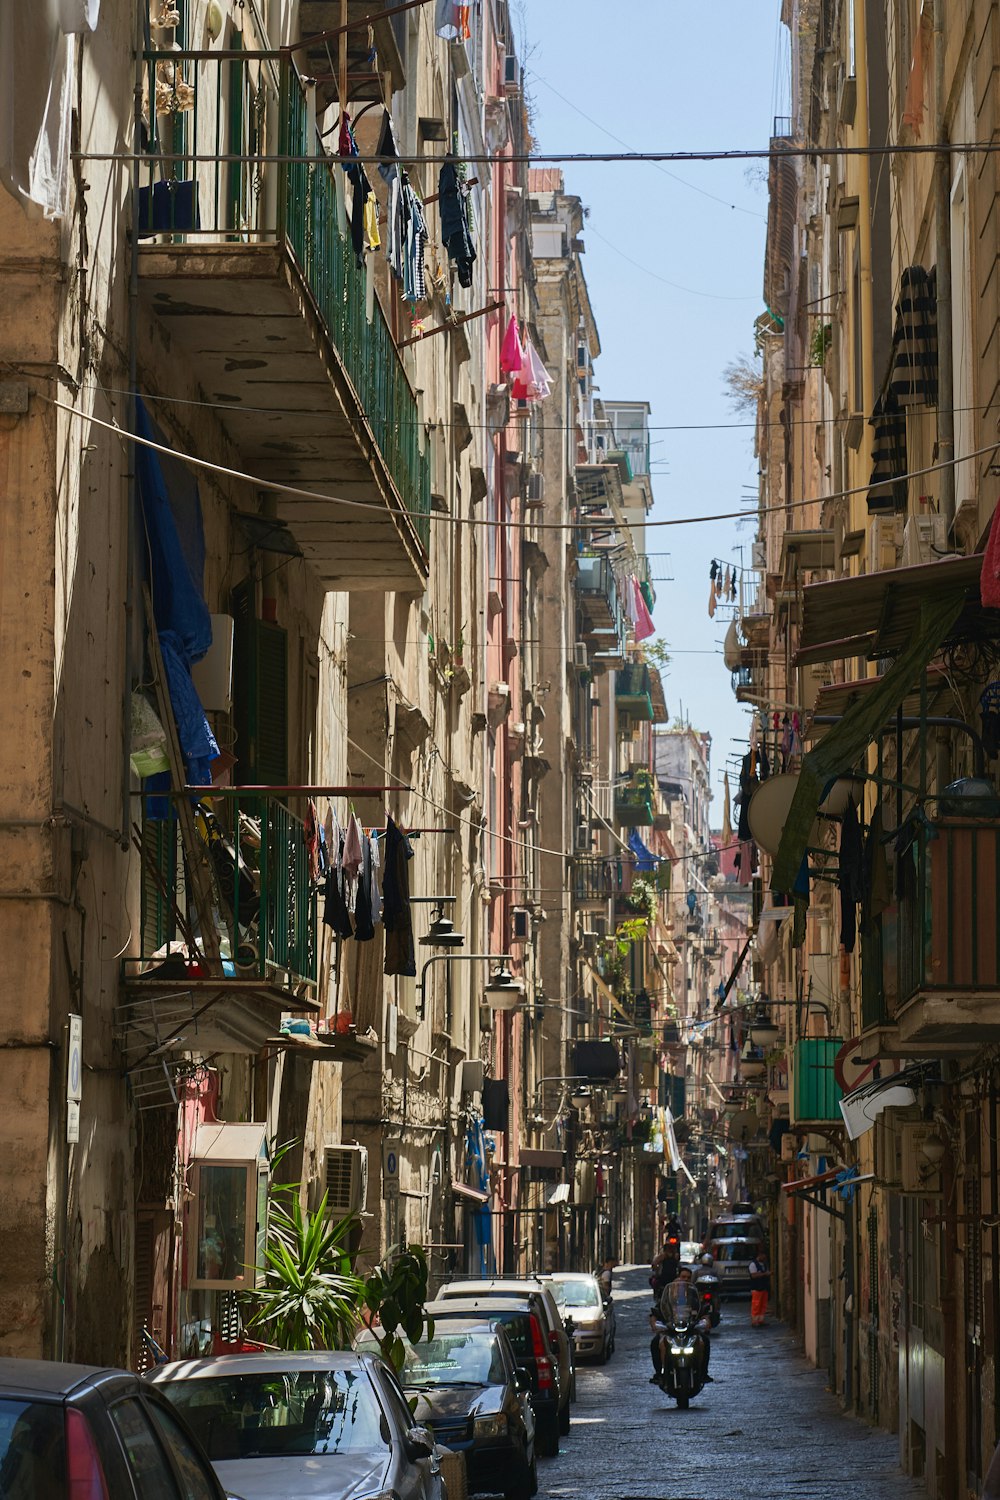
<point x="737" y="1250"/>
<point x="731" y="1231"/>
<point x="32" y="1450"/>
<point x="582" y="1293"/>
<point x="452" y="1358"/>
<point x="280" y="1413"/>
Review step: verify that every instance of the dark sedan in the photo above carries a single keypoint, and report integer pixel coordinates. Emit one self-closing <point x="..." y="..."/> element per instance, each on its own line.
<point x="76" y="1430"/>
<point x="468" y="1391"/>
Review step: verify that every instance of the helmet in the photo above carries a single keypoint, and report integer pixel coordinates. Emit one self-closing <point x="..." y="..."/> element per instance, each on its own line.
<point x="707" y="1259"/>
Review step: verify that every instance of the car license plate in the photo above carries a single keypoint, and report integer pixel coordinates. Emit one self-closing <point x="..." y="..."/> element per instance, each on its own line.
<point x="734" y="1270"/>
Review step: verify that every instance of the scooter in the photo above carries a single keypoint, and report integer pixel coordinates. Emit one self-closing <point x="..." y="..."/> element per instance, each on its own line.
<point x="709" y="1290"/>
<point x="682" y="1332"/>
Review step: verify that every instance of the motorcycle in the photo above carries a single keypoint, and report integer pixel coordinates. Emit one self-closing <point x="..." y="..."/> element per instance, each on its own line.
<point x="683" y="1331"/>
<point x="709" y="1290"/>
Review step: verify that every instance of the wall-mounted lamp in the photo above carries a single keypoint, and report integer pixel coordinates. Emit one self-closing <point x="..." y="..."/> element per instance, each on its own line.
<point x="504" y="992"/>
<point x="442" y="933"/>
<point x="503" y="959"/>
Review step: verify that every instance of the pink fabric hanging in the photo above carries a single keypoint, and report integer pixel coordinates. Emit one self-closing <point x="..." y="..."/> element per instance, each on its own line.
<point x="512" y="350"/>
<point x="532" y="382"/>
<point x="644" y="626"/>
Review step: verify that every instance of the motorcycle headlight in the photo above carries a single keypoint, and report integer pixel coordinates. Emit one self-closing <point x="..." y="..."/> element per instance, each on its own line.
<point x="490" y="1427"/>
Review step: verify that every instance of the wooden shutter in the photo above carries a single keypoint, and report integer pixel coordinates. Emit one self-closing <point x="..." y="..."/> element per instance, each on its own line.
<point x="159" y="883"/>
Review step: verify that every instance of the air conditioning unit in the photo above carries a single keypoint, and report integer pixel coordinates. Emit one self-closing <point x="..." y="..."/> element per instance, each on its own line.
<point x="344" y="1180"/>
<point x="520" y="924"/>
<point x="924" y="539"/>
<point x="917" y="1174"/>
<point x="511" y="73"/>
<point x="582" y="838"/>
<point x="789" y="1146"/>
<point x="589" y="941"/>
<point x="884" y="542"/>
<point x="581" y="656"/>
<point x="758" y="555"/>
<point x="599" y="925"/>
<point x="536" y="489"/>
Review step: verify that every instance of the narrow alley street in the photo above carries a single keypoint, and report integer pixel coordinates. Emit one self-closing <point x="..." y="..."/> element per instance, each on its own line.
<point x="766" y="1429"/>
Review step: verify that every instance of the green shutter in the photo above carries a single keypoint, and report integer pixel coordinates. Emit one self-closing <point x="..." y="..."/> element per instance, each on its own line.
<point x="159" y="883"/>
<point x="272" y="704"/>
<point x="260" y="694"/>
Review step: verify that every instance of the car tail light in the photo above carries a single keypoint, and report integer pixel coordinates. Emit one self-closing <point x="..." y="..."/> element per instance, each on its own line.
<point x="83" y="1462"/>
<point x="542" y="1361"/>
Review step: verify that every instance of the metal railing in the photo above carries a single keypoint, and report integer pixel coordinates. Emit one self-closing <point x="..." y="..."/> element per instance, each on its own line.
<point x="217" y="122"/>
<point x="264" y="900"/>
<point x="592" y="879"/>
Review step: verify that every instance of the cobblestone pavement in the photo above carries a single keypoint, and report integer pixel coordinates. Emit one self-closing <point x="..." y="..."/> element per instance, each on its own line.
<point x="766" y="1430"/>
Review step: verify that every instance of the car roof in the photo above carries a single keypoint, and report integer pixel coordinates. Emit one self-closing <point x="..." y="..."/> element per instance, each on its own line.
<point x="570" y="1276"/>
<point x="263" y="1364"/>
<point x="51" y="1377"/>
<point x="496" y="1284"/>
<point x="453" y="1307"/>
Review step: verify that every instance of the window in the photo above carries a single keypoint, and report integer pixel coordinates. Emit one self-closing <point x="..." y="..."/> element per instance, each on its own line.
<point x="279" y="1413"/>
<point x="400" y="1415"/>
<point x="147" y="1462"/>
<point x="32" y="1450"/>
<point x="195" y="1482"/>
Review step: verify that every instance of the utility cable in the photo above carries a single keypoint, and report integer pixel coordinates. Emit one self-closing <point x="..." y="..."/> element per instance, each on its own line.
<point x="440" y="517"/>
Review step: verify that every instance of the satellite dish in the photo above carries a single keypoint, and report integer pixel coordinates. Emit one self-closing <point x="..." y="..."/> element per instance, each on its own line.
<point x="743" y="1126"/>
<point x="768" y="810"/>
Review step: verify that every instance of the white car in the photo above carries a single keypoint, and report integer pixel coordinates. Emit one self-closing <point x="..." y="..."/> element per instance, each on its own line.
<point x="578" y="1297"/>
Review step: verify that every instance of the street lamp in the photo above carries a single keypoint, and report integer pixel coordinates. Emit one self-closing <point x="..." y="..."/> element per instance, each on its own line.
<point x="502" y="959"/>
<point x="442" y="933"/>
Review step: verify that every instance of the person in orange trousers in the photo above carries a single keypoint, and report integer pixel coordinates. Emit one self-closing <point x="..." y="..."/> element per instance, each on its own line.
<point x="760" y="1289"/>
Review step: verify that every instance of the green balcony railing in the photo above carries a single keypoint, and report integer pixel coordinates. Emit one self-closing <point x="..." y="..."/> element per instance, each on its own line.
<point x="263" y="899"/>
<point x="593" y="879"/>
<point x="634" y="692"/>
<point x="217" y="117"/>
<point x="634" y="802"/>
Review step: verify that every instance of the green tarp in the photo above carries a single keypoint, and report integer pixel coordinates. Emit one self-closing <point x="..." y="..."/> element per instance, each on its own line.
<point x="841" y="751"/>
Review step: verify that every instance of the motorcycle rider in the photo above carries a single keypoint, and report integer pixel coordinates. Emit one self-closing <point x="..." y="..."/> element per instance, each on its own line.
<point x="659" y="1314"/>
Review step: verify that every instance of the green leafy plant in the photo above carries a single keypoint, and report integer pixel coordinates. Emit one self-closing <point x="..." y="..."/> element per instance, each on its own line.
<point x="822" y="338"/>
<point x="311" y="1295"/>
<point x="396" y="1294"/>
<point x="643" y="897"/>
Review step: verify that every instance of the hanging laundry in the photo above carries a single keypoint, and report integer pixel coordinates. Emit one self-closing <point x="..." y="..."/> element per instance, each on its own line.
<point x="727" y="826"/>
<point x="712" y="600"/>
<point x="511" y="350"/>
<point x="732" y="588"/>
<point x="726" y="583"/>
<point x="376" y="879"/>
<point x="713" y="571"/>
<point x="451" y="21"/>
<point x="335" y="912"/>
<point x="718" y="584"/>
<point x="913" y="379"/>
<point x="532" y="382"/>
<point x="643" y="620"/>
<point x="455" y="231"/>
<point x="400" y="953"/>
<point x="361" y="187"/>
<point x="387" y="147"/>
<point x="850" y="876"/>
<point x="414" y="284"/>
<point x="351" y="859"/>
<point x="310" y="824"/>
<point x="364" y="927"/>
<point x="372" y="237"/>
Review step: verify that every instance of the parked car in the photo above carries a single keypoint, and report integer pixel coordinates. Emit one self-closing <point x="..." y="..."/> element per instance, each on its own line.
<point x="522" y="1322"/>
<point x="558" y="1339"/>
<point x="302" y="1425"/>
<point x="736" y="1226"/>
<point x="690" y="1251"/>
<point x="578" y="1297"/>
<point x="471" y="1394"/>
<point x="78" y="1430"/>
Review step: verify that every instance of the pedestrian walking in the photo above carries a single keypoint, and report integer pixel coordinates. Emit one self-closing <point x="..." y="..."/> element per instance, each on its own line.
<point x="760" y="1289"/>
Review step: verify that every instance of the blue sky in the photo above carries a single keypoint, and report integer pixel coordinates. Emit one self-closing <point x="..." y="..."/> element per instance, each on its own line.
<point x="668" y="76"/>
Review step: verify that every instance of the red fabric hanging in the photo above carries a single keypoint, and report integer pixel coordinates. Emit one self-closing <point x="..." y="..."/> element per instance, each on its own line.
<point x="512" y="350"/>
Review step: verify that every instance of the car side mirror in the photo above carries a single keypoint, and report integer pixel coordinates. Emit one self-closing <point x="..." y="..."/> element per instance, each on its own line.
<point x="419" y="1443"/>
<point x="569" y="1324"/>
<point x="521" y="1381"/>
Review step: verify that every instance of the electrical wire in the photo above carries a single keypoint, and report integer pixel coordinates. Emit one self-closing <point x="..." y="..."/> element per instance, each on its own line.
<point x="441" y="517"/>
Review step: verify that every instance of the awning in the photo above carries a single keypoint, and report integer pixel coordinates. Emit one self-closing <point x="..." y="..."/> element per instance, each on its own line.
<point x="471" y="1194"/>
<point x="862" y="1106"/>
<point x="806" y="550"/>
<point x="559" y="1194"/>
<point x="837" y="697"/>
<point x="842" y="750"/>
<point x="875" y="614"/>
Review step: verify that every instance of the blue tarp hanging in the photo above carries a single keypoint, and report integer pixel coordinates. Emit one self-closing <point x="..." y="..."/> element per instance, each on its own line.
<point x="645" y="860"/>
<point x="175" y="560"/>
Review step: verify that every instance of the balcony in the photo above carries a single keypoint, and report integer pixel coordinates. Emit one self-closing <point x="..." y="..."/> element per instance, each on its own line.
<point x="224" y="990"/>
<point x="248" y="275"/>
<point x="634" y="692"/>
<point x="366" y="75"/>
<point x="593" y="883"/>
<point x="634" y="801"/>
<point x="931" y="970"/>
<point x="597" y="596"/>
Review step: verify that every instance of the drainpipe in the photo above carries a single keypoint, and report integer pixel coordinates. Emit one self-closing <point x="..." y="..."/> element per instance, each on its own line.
<point x="862" y="132"/>
<point x="942" y="247"/>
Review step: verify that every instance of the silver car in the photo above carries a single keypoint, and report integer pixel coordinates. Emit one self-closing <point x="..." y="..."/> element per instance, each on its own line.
<point x="301" y="1426"/>
<point x="578" y="1297"/>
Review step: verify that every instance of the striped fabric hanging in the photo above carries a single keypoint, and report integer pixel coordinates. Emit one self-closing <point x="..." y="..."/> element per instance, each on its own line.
<point x="913" y="379"/>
